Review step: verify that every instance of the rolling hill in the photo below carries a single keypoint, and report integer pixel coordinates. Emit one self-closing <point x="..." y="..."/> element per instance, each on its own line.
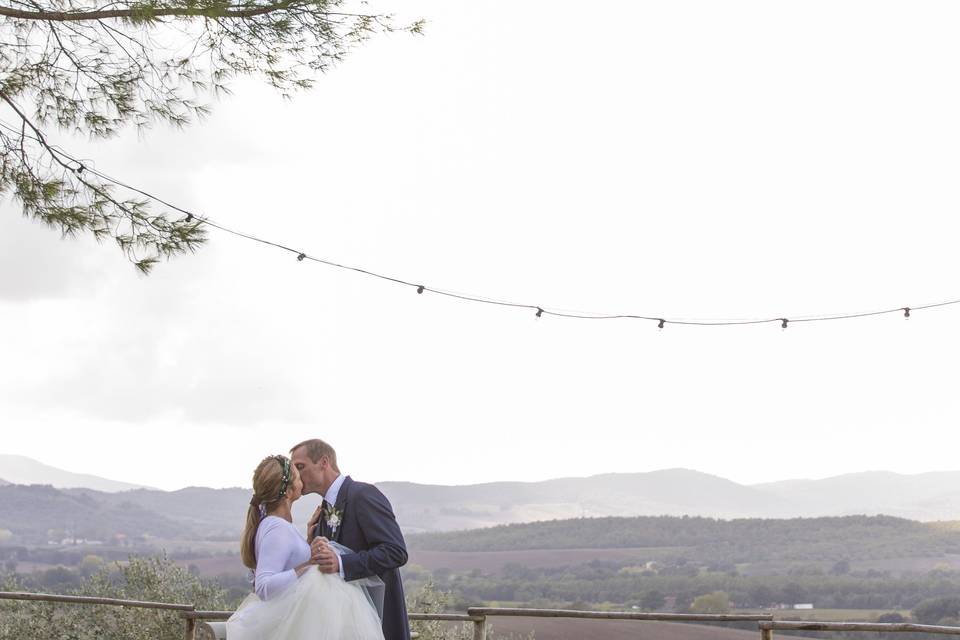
<point x="199" y="512"/>
<point x="710" y="540"/>
<point x="668" y="492"/>
<point x="38" y="513"/>
<point x="925" y="496"/>
<point x="23" y="470"/>
<point x="205" y="513"/>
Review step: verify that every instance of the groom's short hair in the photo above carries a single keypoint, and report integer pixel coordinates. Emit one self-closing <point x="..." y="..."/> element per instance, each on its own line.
<point x="317" y="449"/>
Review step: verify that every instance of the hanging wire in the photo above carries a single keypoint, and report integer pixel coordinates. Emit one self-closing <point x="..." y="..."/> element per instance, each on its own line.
<point x="540" y="310"/>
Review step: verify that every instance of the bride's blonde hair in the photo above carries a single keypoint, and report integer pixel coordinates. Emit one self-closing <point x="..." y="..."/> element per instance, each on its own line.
<point x="268" y="481"/>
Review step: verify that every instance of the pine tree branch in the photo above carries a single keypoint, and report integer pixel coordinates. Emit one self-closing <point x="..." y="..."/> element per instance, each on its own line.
<point x="97" y="66"/>
<point x="50" y="201"/>
<point x="230" y="11"/>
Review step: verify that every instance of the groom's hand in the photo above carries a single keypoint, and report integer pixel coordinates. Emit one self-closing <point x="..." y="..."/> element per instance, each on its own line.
<point x="327" y="559"/>
<point x="316" y="545"/>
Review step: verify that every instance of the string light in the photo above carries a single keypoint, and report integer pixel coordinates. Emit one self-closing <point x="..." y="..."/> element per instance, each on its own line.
<point x="540" y="311"/>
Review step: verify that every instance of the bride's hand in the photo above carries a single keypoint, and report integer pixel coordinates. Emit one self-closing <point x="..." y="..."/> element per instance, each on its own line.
<point x="303" y="568"/>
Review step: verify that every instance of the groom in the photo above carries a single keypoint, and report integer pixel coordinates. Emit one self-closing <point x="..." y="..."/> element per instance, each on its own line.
<point x="358" y="516"/>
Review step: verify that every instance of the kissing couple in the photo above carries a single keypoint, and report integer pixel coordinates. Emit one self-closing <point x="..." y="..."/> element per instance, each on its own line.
<point x="339" y="582"/>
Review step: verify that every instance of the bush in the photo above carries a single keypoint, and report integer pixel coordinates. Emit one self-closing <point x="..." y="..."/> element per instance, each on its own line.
<point x="155" y="579"/>
<point x="891" y="618"/>
<point x="933" y="610"/>
<point x="716" y="602"/>
<point x="430" y="600"/>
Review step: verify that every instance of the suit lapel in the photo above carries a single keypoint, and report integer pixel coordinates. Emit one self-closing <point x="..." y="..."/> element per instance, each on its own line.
<point x="341" y="506"/>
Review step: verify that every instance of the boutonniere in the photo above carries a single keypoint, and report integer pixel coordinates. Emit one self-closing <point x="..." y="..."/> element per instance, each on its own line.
<point x="333" y="517"/>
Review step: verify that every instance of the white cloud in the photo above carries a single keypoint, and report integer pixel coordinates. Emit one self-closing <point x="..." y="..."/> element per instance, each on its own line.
<point x="681" y="160"/>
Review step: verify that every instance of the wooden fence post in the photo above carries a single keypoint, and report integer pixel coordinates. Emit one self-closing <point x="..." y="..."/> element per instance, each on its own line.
<point x="190" y="633"/>
<point x="480" y="629"/>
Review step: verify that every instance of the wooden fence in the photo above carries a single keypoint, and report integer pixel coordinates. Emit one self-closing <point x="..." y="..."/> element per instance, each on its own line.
<point x="195" y="620"/>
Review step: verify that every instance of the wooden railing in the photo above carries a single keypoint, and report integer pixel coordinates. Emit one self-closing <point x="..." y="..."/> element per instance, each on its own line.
<point x="195" y="620"/>
<point x="114" y="602"/>
<point x="617" y="615"/>
<point x="767" y="628"/>
<point x="202" y="618"/>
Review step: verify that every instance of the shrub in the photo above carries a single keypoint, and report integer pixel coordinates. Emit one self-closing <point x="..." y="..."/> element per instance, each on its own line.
<point x="716" y="602"/>
<point x="891" y="618"/>
<point x="155" y="579"/>
<point x="428" y="599"/>
<point x="933" y="610"/>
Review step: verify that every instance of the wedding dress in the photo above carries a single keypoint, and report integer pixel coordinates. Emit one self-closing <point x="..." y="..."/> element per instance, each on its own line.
<point x="315" y="606"/>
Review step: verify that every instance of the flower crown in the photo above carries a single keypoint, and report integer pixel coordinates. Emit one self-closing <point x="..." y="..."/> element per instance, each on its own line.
<point x="285" y="479"/>
<point x="284" y="463"/>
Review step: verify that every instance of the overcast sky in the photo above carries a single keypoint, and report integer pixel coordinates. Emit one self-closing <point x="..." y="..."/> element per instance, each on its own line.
<point x="683" y="159"/>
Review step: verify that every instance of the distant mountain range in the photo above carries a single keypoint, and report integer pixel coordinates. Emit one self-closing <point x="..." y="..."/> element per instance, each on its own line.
<point x="925" y="497"/>
<point x="23" y="470"/>
<point x="668" y="492"/>
<point x="202" y="513"/>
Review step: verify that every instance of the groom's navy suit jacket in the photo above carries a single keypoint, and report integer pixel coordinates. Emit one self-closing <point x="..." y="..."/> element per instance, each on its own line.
<point x="370" y="529"/>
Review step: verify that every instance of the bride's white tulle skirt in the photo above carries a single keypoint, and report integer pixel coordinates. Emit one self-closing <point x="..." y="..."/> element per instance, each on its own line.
<point x="318" y="606"/>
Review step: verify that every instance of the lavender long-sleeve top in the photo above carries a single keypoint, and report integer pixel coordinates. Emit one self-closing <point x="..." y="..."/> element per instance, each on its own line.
<point x="280" y="549"/>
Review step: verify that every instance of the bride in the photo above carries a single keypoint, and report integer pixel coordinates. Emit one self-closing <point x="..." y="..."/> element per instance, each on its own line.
<point x="292" y="599"/>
